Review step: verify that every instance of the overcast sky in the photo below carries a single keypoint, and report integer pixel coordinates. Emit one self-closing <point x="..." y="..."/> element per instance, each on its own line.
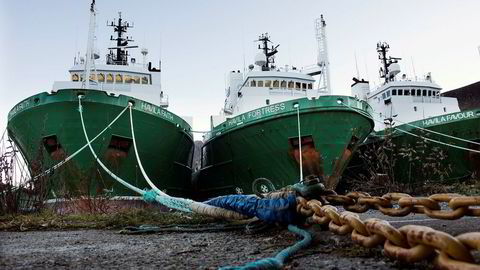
<point x="199" y="42"/>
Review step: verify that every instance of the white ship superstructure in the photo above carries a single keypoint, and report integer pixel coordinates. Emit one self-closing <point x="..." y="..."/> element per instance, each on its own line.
<point x="120" y="74"/>
<point x="266" y="84"/>
<point x="403" y="98"/>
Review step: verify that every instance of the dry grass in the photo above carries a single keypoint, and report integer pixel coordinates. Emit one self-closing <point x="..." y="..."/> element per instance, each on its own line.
<point x="49" y="220"/>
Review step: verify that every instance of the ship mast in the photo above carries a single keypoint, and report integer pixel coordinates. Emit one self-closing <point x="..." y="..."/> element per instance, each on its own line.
<point x="269" y="52"/>
<point x="90" y="40"/>
<point x="121" y="55"/>
<point x="382" y="49"/>
<point x="322" y="58"/>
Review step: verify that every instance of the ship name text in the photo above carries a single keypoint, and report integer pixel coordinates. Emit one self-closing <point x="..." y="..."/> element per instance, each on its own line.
<point x="255" y="114"/>
<point x="448" y="118"/>
<point x="156" y="110"/>
<point x="20" y="107"/>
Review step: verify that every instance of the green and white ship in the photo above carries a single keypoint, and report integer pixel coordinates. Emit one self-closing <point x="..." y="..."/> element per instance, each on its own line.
<point x="47" y="126"/>
<point x="271" y="115"/>
<point x="431" y="136"/>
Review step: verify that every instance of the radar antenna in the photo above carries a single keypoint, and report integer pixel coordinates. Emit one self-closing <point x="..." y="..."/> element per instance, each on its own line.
<point x="322" y="58"/>
<point x="382" y="49"/>
<point x="121" y="55"/>
<point x="269" y="52"/>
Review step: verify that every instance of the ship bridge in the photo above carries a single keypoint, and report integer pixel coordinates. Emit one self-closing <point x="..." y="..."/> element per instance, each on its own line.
<point x="402" y="99"/>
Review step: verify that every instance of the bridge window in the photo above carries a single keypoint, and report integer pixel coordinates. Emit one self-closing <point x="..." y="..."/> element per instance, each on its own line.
<point x="101" y="77"/>
<point x="290" y="84"/>
<point x="136" y="79"/>
<point x="275" y="84"/>
<point x="304" y="85"/>
<point x="298" y="85"/>
<point x="419" y="92"/>
<point x="260" y="83"/>
<point x="388" y="93"/>
<point x="109" y="78"/>
<point x="128" y="79"/>
<point x="118" y="78"/>
<point x="310" y="85"/>
<point x="383" y="95"/>
<point x="144" y="80"/>
<point x="400" y="92"/>
<point x="413" y="92"/>
<point x="93" y="77"/>
<point x="268" y="83"/>
<point x="283" y="84"/>
<point x="253" y="83"/>
<point x="75" y="77"/>
<point x="429" y="93"/>
<point x="406" y="92"/>
<point x="394" y="92"/>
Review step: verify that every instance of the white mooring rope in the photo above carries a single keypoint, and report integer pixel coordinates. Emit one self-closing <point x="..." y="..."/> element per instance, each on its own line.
<point x="182" y="204"/>
<point x="81" y="148"/>
<point x="422" y="137"/>
<point x="158" y="191"/>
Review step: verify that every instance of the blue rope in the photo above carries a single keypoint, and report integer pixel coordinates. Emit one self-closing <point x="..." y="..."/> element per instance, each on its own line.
<point x="277" y="261"/>
<point x="149" y="196"/>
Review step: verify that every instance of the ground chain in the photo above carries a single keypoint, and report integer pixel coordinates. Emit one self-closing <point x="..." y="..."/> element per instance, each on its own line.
<point x="410" y="243"/>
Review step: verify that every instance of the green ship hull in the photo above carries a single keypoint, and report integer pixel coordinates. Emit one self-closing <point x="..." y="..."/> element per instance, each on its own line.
<point x="416" y="158"/>
<point x="47" y="129"/>
<point x="263" y="143"/>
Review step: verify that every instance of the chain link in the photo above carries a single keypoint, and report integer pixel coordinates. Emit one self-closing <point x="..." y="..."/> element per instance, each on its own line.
<point x="401" y="204"/>
<point x="410" y="243"/>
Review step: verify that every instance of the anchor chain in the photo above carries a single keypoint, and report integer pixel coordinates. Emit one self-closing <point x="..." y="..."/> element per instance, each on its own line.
<point x="410" y="243"/>
<point x="402" y="204"/>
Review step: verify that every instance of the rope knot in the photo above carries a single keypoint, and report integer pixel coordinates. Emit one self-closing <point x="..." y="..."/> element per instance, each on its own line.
<point x="149" y="196"/>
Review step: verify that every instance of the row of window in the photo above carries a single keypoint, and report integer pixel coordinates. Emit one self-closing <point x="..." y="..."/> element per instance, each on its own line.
<point x="281" y="84"/>
<point x="110" y="78"/>
<point x="412" y="92"/>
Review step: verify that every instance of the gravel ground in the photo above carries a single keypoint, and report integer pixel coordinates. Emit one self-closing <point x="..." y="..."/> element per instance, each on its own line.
<point x="103" y="249"/>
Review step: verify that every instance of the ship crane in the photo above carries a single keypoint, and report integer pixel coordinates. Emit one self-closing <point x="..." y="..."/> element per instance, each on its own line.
<point x="321" y="68"/>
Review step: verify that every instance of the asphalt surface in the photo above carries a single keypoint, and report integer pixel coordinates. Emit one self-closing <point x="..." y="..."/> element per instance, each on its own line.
<point x="104" y="249"/>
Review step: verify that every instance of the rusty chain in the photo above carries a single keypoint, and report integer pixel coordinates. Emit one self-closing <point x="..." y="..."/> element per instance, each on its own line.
<point x="410" y="243"/>
<point x="401" y="204"/>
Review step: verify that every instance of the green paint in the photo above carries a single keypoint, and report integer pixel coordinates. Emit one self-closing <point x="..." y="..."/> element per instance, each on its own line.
<point x="257" y="145"/>
<point x="164" y="142"/>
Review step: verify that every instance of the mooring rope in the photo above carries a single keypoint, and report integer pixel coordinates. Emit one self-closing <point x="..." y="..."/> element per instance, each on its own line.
<point x="278" y="261"/>
<point x="419" y="136"/>
<point x="158" y="191"/>
<point x="56" y="166"/>
<point x="438" y="133"/>
<point x="118" y="179"/>
<point x="182" y="204"/>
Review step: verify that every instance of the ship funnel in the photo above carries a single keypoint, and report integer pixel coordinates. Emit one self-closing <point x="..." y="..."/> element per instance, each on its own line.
<point x="360" y="88"/>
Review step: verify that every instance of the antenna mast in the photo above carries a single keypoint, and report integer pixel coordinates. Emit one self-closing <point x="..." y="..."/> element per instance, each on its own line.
<point x="322" y="60"/>
<point x="91" y="37"/>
